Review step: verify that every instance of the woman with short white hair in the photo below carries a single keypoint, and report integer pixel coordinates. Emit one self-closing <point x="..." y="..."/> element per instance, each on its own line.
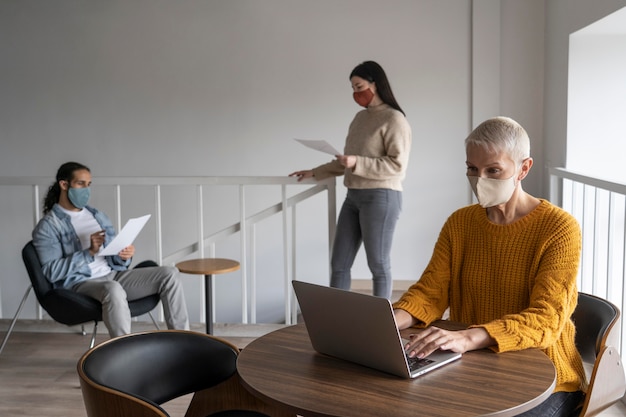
<point x="506" y="267"/>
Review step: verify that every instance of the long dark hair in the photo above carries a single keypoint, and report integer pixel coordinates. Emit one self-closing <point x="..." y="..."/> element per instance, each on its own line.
<point x="374" y="73"/>
<point x="65" y="173"/>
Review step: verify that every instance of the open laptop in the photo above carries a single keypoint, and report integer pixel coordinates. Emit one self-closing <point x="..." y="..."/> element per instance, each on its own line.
<point x="360" y="328"/>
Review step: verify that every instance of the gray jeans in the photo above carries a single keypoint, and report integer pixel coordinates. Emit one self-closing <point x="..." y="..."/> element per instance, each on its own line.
<point x="559" y="404"/>
<point x="117" y="288"/>
<point x="368" y="217"/>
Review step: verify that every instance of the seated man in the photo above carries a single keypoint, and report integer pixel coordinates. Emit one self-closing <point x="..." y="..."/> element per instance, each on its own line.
<point x="506" y="267"/>
<point x="68" y="239"/>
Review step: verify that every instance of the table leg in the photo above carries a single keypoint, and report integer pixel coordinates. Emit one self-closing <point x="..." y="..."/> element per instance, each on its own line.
<point x="208" y="303"/>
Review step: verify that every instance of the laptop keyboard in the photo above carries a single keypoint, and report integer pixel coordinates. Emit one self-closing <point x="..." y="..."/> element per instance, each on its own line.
<point x="415" y="363"/>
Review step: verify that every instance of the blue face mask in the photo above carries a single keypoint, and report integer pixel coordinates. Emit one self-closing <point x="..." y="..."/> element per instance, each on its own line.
<point x="79" y="196"/>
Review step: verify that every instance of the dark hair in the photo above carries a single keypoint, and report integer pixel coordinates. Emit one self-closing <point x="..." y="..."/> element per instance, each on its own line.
<point x="65" y="173"/>
<point x="372" y="72"/>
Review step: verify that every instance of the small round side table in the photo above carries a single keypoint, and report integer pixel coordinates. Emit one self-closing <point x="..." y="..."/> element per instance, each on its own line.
<point x="208" y="267"/>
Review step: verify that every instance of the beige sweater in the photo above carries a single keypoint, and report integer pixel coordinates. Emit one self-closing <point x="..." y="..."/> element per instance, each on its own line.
<point x="380" y="138"/>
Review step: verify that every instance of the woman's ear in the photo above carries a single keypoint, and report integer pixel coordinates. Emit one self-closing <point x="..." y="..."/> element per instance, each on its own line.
<point x="525" y="169"/>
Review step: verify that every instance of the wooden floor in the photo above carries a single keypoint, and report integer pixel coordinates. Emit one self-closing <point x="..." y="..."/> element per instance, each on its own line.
<point x="38" y="369"/>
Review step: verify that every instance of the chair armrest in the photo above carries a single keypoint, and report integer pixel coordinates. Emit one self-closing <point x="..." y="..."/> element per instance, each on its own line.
<point x="607" y="384"/>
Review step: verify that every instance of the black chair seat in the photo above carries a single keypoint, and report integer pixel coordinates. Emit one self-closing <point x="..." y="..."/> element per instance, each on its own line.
<point x="154" y="368"/>
<point x="69" y="307"/>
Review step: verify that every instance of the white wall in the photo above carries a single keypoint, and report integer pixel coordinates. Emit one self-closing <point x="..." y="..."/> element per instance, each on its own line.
<point x="563" y="18"/>
<point x="155" y="87"/>
<point x="596" y="104"/>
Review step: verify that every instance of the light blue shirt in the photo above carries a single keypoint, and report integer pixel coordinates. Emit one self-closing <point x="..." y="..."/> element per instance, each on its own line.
<point x="60" y="252"/>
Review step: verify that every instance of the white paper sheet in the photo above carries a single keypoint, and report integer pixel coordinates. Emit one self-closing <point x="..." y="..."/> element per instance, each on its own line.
<point x="126" y="236"/>
<point x="320" y="145"/>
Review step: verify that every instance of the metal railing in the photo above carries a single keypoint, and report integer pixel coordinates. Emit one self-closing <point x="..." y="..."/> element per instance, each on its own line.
<point x="245" y="226"/>
<point x="600" y="208"/>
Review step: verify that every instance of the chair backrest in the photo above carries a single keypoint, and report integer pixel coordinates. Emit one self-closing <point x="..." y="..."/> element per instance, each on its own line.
<point x="594" y="319"/>
<point x="596" y="338"/>
<point x="65" y="306"/>
<point x="156" y="366"/>
<point x="40" y="283"/>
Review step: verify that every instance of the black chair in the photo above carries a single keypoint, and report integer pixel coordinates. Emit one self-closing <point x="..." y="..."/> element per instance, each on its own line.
<point x="132" y="375"/>
<point x="596" y="340"/>
<point x="66" y="306"/>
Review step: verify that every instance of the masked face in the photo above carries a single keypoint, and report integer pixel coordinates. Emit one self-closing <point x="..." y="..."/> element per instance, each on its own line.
<point x="491" y="192"/>
<point x="79" y="196"/>
<point x="364" y="90"/>
<point x="363" y="97"/>
<point x="78" y="191"/>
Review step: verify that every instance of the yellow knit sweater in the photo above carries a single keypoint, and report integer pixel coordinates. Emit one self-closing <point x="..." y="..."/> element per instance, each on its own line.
<point x="517" y="281"/>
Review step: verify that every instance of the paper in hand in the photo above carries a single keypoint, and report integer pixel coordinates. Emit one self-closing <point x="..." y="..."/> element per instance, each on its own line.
<point x="126" y="236"/>
<point x="320" y="145"/>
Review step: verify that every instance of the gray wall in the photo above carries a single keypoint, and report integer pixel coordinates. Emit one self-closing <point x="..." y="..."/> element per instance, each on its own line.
<point x="155" y="87"/>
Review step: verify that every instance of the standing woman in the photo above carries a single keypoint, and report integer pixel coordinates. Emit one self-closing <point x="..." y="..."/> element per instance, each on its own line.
<point x="374" y="164"/>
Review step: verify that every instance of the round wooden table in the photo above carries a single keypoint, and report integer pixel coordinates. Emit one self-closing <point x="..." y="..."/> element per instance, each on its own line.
<point x="282" y="369"/>
<point x="208" y="267"/>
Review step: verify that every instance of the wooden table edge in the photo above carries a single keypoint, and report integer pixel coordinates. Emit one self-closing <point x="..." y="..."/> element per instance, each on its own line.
<point x="182" y="267"/>
<point x="511" y="412"/>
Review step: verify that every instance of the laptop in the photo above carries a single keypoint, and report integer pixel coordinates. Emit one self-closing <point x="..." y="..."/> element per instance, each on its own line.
<point x="362" y="329"/>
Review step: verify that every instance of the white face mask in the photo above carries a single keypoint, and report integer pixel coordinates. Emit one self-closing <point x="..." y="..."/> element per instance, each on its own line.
<point x="491" y="192"/>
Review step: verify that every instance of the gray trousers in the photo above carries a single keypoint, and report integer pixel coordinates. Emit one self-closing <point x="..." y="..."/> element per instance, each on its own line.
<point x="559" y="404"/>
<point x="368" y="217"/>
<point x="117" y="288"/>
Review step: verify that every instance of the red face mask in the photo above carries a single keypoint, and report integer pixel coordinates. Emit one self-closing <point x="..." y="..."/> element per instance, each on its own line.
<point x="364" y="97"/>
